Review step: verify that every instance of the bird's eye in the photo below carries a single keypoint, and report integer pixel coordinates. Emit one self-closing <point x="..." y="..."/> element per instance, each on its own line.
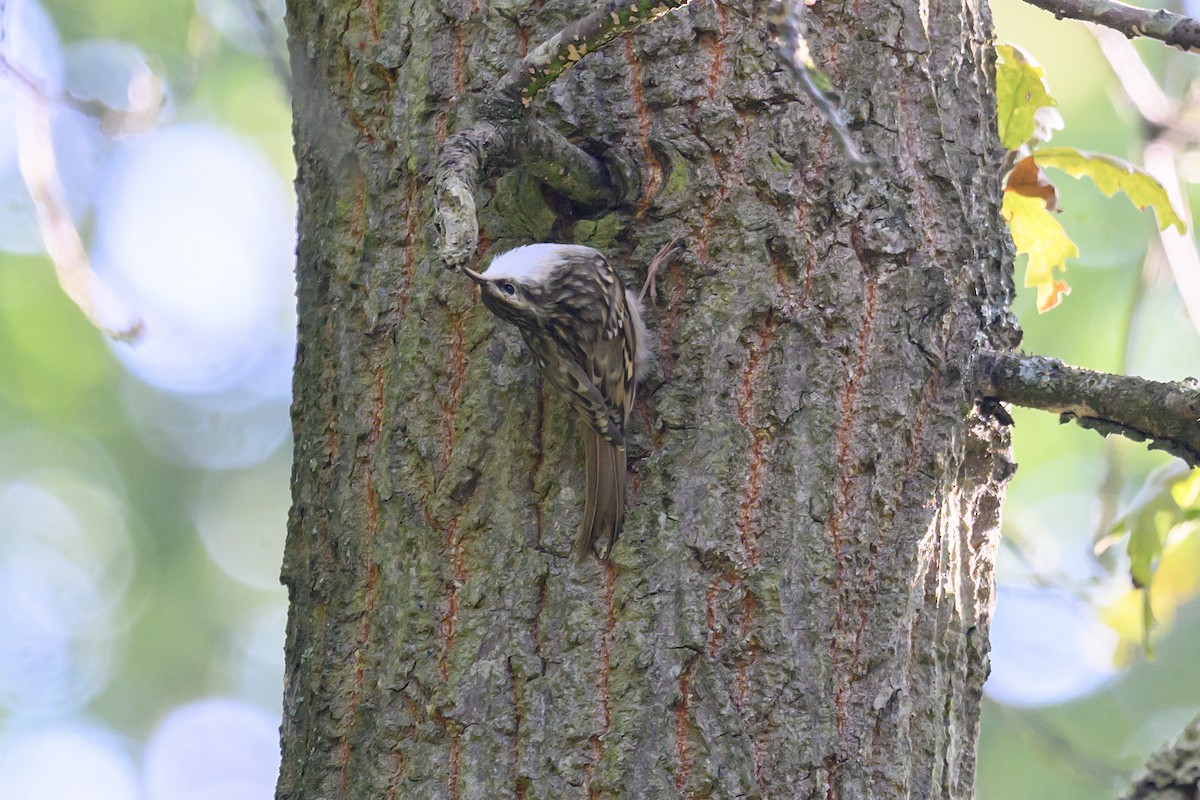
<point x="508" y="289"/>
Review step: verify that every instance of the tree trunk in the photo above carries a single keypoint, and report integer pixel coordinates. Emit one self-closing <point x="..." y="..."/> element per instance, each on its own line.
<point x="799" y="603"/>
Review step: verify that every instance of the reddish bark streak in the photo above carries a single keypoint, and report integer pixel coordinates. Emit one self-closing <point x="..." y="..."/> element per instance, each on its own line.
<point x="718" y="51"/>
<point x="522" y="41"/>
<point x="676" y="291"/>
<point x="458" y="62"/>
<point x="344" y="783"/>
<point x="710" y="610"/>
<point x="845" y="433"/>
<point x="537" y="619"/>
<point x="372" y="18"/>
<point x="364" y="631"/>
<point x="914" y="156"/>
<point x="742" y="682"/>
<point x="654" y="178"/>
<point x="347" y="62"/>
<point x="706" y="216"/>
<point x="356" y="121"/>
<point x="455" y="747"/>
<point x="683" y="726"/>
<point x="606" y="641"/>
<point x="810" y="263"/>
<point x="397" y="776"/>
<point x="843" y="501"/>
<point x="751" y="497"/>
<point x="593" y="792"/>
<point x="389" y="83"/>
<point x="458" y="375"/>
<point x="450" y="620"/>
<point x="373" y="436"/>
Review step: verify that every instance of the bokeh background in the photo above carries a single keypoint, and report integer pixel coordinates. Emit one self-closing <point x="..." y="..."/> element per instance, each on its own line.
<point x="145" y="172"/>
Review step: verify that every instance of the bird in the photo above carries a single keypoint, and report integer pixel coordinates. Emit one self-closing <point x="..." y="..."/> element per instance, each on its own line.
<point x="586" y="332"/>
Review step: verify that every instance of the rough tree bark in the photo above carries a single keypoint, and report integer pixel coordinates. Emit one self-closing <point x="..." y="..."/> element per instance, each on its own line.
<point x="799" y="603"/>
<point x="1173" y="773"/>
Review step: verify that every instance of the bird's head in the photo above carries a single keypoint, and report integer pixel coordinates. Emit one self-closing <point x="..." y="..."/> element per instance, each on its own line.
<point x="524" y="285"/>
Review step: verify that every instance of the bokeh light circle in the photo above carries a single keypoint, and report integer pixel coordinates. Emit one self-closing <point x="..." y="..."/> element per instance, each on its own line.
<point x="68" y="761"/>
<point x="213" y="748"/>
<point x="242" y="519"/>
<point x="66" y="561"/>
<point x="196" y="234"/>
<point x="1047" y="647"/>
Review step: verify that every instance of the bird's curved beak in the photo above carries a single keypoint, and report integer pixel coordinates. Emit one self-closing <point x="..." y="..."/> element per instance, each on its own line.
<point x="475" y="276"/>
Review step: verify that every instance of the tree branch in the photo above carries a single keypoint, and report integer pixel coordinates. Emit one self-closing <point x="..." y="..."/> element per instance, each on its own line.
<point x="1139" y="409"/>
<point x="463" y="159"/>
<point x="544" y="63"/>
<point x="500" y="136"/>
<point x="1172" y="772"/>
<point x="1173" y="29"/>
<point x="572" y="172"/>
<point x="466" y="155"/>
<point x="785" y="21"/>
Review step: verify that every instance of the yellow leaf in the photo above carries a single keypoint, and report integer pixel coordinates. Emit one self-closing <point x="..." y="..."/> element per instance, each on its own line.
<point x="1020" y="92"/>
<point x="1038" y="234"/>
<point x="1186" y="492"/>
<point x="1112" y="175"/>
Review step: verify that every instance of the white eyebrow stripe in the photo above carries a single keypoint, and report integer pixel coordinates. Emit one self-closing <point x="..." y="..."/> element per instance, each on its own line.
<point x="533" y="263"/>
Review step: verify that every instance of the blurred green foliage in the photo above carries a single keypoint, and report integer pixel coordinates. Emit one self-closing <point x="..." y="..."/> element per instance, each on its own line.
<point x="1124" y="315"/>
<point x="184" y="629"/>
<point x="187" y="629"/>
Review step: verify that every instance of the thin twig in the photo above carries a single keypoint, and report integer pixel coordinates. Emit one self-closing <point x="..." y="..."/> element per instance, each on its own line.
<point x="1136" y="408"/>
<point x="785" y="21"/>
<point x="1173" y="29"/>
<point x="1138" y="82"/>
<point x="502" y="135"/>
<point x="1182" y="256"/>
<point x="1173" y="123"/>
<point x="38" y="166"/>
<point x="268" y="36"/>
<point x="1053" y="743"/>
<point x="39" y="170"/>
<point x="544" y="63"/>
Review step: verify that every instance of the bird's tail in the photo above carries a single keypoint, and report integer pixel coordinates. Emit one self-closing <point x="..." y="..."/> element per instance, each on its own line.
<point x="604" y="503"/>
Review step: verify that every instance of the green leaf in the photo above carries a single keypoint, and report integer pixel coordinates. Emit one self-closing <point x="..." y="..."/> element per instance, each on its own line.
<point x="1147" y="534"/>
<point x="1156" y="492"/>
<point x="1186" y="492"/>
<point x="1148" y="622"/>
<point x="1152" y="516"/>
<point x="1020" y="91"/>
<point x="1112" y="175"/>
<point x="1037" y="233"/>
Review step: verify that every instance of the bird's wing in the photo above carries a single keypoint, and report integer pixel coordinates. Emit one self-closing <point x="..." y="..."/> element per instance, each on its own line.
<point x="581" y="388"/>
